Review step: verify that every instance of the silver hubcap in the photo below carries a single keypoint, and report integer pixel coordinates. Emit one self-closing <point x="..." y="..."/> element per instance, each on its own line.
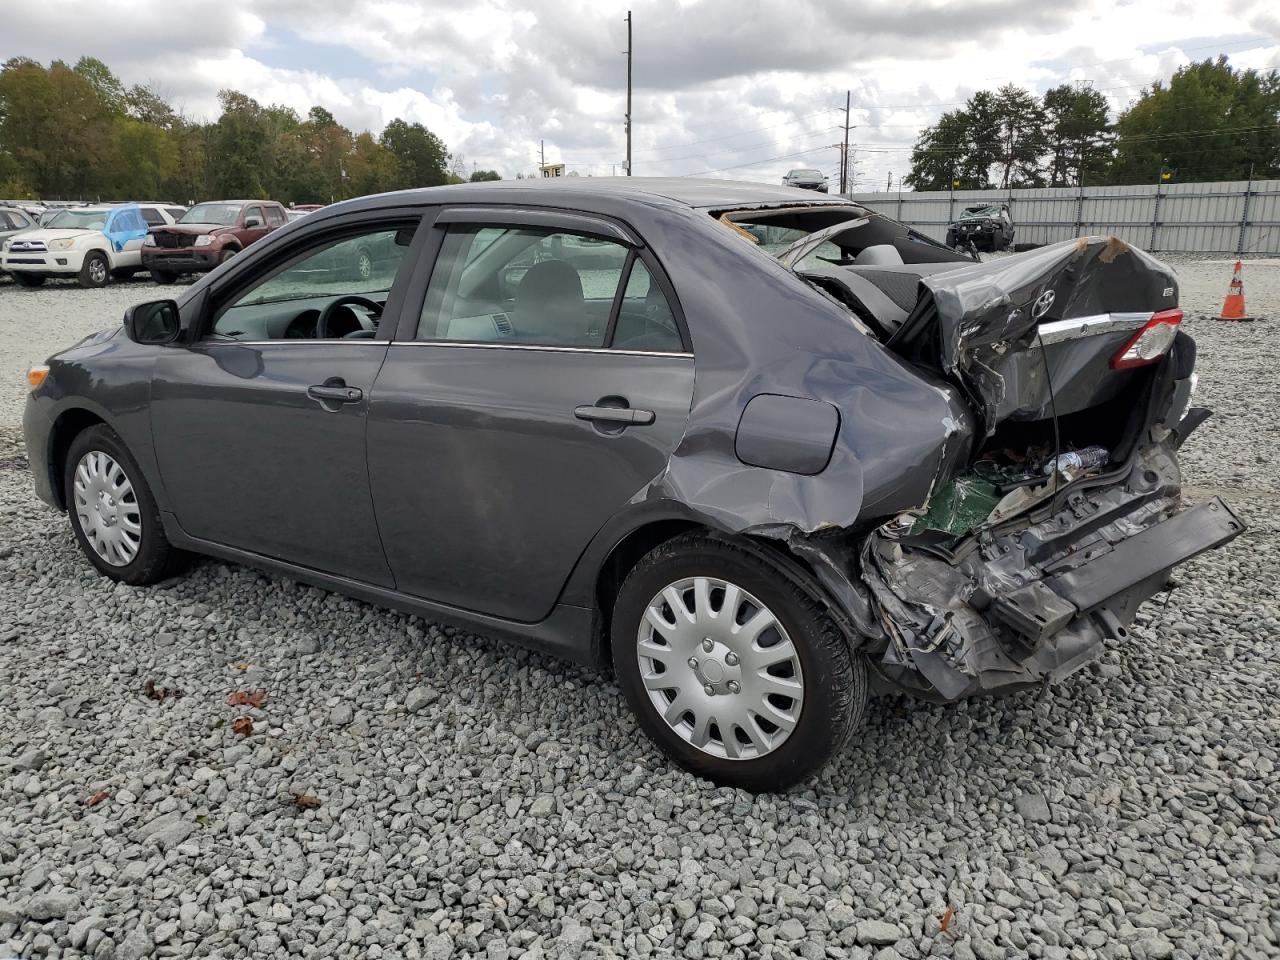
<point x="97" y="270"/>
<point x="719" y="668"/>
<point x="107" y="508"/>
<point x="365" y="266"/>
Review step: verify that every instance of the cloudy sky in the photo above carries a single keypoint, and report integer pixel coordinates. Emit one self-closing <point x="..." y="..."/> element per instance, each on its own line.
<point x="727" y="88"/>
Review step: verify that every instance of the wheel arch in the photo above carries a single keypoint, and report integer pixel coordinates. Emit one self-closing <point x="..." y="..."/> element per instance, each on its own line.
<point x="628" y="550"/>
<point x="69" y="424"/>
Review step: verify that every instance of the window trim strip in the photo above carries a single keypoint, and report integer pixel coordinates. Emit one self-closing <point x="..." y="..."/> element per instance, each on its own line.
<point x="495" y="345"/>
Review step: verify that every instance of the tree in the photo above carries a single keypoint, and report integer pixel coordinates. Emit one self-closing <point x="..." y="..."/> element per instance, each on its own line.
<point x="1210" y="122"/>
<point x="421" y="157"/>
<point x="80" y="133"/>
<point x="238" y="148"/>
<point x="1020" y="122"/>
<point x="480" y="176"/>
<point x="938" y="152"/>
<point x="106" y="85"/>
<point x="1078" y="134"/>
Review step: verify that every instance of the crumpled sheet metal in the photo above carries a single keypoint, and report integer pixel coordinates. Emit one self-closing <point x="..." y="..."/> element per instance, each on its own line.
<point x="987" y="313"/>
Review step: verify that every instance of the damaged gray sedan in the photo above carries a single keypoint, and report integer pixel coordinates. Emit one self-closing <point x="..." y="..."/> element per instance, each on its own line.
<point x="762" y="456"/>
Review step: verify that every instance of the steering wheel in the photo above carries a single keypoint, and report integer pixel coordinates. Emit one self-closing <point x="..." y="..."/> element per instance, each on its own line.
<point x="322" y="324"/>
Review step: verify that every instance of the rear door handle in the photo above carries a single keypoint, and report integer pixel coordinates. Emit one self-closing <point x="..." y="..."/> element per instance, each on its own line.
<point x="622" y="416"/>
<point x="330" y="393"/>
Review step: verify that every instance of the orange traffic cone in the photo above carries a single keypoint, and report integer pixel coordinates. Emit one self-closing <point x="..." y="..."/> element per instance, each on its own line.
<point x="1233" y="306"/>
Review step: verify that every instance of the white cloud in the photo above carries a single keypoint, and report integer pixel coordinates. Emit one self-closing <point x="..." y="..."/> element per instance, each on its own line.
<point x="720" y="84"/>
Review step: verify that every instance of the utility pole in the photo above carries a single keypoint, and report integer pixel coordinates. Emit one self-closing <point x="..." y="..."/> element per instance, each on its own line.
<point x="844" y="153"/>
<point x="628" y="93"/>
<point x="542" y="157"/>
<point x="888" y="184"/>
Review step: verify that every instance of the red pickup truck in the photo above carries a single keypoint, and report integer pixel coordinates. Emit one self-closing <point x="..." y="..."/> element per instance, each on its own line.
<point x="208" y="234"/>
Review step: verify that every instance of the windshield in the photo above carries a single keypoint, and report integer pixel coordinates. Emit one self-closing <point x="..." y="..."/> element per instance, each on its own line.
<point x="991" y="210"/>
<point x="78" y="220"/>
<point x="815" y="174"/>
<point x="223" y="214"/>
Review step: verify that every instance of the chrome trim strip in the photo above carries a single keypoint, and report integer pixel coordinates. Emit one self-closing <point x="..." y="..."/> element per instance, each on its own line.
<point x="1058" y="331"/>
<point x="535" y="346"/>
<point x="209" y="341"/>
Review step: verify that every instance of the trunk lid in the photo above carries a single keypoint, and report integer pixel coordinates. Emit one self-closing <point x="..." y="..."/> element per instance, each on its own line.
<point x="1034" y="335"/>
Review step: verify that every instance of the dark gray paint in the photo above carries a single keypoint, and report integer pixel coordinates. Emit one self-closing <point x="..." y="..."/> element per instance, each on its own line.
<point x="787" y="433"/>
<point x="488" y="488"/>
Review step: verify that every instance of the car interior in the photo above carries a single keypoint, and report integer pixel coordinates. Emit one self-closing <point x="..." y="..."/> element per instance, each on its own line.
<point x="319" y="295"/>
<point x="535" y="287"/>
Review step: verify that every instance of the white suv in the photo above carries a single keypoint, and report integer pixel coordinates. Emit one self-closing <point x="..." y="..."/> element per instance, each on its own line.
<point x="92" y="244"/>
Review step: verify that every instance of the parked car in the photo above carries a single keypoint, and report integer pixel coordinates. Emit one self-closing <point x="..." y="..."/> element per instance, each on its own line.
<point x="986" y="226"/>
<point x="91" y="244"/>
<point x="806" y="179"/>
<point x="754" y="484"/>
<point x="207" y="235"/>
<point x="14" y="220"/>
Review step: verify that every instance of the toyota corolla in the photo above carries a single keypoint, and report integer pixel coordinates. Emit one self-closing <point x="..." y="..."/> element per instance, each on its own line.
<point x="760" y="455"/>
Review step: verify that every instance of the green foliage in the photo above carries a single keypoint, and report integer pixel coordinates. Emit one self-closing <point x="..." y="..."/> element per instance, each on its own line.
<point x="421" y="157"/>
<point x="1209" y="122"/>
<point x="1079" y="138"/>
<point x="480" y="176"/>
<point x="79" y="133"/>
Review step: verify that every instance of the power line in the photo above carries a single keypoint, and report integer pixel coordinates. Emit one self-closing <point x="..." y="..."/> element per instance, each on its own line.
<point x="756" y="163"/>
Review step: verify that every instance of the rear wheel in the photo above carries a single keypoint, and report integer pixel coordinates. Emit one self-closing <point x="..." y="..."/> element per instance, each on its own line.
<point x="95" y="271"/>
<point x="112" y="511"/>
<point x="738" y="674"/>
<point x="28" y="279"/>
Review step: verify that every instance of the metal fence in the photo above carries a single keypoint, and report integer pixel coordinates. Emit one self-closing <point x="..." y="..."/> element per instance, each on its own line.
<point x="1235" y="217"/>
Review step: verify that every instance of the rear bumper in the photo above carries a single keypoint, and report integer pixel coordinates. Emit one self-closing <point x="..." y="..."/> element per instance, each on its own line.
<point x="1036" y="598"/>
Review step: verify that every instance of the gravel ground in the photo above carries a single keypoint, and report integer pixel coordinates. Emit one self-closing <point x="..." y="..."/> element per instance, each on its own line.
<point x="460" y="797"/>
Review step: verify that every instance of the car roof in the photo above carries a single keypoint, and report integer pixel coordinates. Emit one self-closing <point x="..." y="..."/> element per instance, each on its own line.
<point x="690" y="192"/>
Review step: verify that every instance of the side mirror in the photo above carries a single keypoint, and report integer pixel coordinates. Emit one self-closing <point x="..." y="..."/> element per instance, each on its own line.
<point x="153" y="323"/>
<point x="252" y="222"/>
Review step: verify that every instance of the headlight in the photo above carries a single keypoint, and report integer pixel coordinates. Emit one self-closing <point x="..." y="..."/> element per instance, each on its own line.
<point x="149" y="240"/>
<point x="204" y="240"/>
<point x="65" y="244"/>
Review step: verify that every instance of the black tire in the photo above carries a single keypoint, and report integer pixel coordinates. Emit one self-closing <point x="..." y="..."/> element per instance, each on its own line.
<point x="835" y="692"/>
<point x="362" y="267"/>
<point x="163" y="277"/>
<point x="227" y="255"/>
<point x="125" y="273"/>
<point x="155" y="559"/>
<point x="95" y="271"/>
<point x="28" y="280"/>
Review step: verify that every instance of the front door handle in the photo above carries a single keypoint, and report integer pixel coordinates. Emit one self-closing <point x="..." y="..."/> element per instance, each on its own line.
<point x="335" y="393"/>
<point x="621" y="416"/>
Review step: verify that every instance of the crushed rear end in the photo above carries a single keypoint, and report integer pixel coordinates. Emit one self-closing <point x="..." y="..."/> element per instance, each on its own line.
<point x="1067" y="514"/>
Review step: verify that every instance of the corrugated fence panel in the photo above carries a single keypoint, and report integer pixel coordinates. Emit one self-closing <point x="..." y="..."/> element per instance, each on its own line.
<point x="1183" y="217"/>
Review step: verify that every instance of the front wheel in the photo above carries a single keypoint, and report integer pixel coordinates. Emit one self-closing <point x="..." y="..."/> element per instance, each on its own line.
<point x="737" y="673"/>
<point x="163" y="277"/>
<point x="113" y="513"/>
<point x="95" y="271"/>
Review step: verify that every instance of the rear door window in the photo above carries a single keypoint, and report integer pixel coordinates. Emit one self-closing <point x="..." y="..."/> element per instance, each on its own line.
<point x="274" y="217"/>
<point x="535" y="286"/>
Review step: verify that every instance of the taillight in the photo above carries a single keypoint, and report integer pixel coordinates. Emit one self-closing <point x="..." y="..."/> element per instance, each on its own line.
<point x="1151" y="342"/>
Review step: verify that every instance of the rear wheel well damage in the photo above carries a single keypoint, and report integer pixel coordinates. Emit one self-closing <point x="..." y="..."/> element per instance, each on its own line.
<point x="66" y="428"/>
<point x="817" y="572"/>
